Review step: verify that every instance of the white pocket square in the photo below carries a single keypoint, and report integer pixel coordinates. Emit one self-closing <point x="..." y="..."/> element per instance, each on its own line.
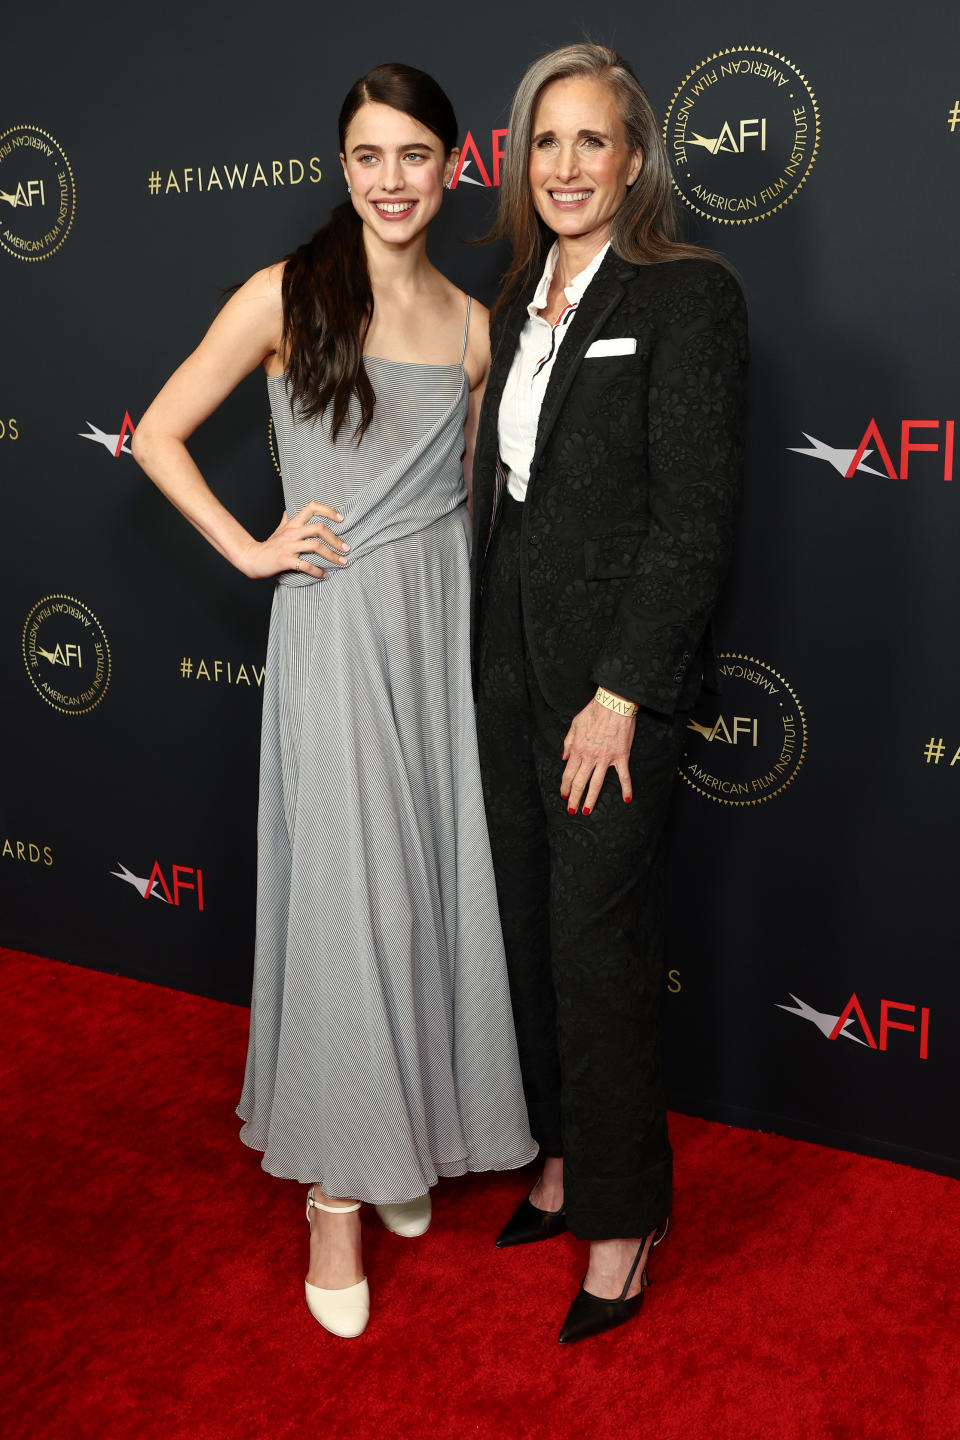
<point x="626" y="346"/>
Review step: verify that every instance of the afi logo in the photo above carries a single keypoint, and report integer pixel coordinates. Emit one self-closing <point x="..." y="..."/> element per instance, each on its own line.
<point x="186" y="884"/>
<point x="907" y="447"/>
<point x="25" y="194"/>
<point x="743" y="725"/>
<point x="63" y="655"/>
<point x="726" y="142"/>
<point x="847" y="462"/>
<point x="117" y="444"/>
<point x="837" y="1027"/>
<point x="469" y="153"/>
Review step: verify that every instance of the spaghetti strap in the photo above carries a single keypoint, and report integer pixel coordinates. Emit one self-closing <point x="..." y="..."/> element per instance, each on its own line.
<point x="466" y="331"/>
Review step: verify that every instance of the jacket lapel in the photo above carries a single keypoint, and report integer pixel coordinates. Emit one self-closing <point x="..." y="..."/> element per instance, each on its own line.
<point x="487" y="488"/>
<point x="601" y="296"/>
<point x="501" y="360"/>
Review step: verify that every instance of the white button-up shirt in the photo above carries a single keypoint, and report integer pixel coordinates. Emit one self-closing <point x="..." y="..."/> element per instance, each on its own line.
<point x="537" y="348"/>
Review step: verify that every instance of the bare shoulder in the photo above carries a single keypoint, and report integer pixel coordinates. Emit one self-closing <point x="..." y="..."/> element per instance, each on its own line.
<point x="478" y="344"/>
<point x="264" y="289"/>
<point x="252" y="318"/>
<point x="479" y="315"/>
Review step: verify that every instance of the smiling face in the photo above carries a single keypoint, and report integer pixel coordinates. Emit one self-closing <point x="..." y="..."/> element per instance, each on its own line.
<point x="396" y="170"/>
<point x="580" y="164"/>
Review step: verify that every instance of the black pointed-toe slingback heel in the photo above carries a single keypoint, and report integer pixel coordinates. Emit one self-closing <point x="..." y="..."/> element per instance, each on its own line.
<point x="528" y="1224"/>
<point x="591" y="1314"/>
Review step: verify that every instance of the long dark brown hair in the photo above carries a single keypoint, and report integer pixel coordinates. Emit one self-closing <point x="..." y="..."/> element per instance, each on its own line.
<point x="327" y="298"/>
<point x="645" y="229"/>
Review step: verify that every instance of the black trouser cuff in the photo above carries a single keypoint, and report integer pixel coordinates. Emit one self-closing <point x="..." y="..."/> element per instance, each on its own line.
<point x="613" y="1209"/>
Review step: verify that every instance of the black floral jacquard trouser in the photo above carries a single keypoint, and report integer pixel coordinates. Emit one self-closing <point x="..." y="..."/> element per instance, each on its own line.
<point x="582" y="912"/>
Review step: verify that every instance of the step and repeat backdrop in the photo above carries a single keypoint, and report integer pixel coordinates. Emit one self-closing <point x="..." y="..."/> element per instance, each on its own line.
<point x="150" y="160"/>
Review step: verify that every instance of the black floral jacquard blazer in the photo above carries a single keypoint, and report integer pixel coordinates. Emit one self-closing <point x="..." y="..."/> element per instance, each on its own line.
<point x="628" y="523"/>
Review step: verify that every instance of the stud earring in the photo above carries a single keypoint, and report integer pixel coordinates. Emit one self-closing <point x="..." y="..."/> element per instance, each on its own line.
<point x="349" y="191"/>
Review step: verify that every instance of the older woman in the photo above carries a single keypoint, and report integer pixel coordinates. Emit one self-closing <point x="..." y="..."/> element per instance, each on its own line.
<point x="607" y="473"/>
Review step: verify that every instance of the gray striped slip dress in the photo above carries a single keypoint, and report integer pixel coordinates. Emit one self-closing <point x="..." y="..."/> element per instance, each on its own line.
<point x="382" y="1052"/>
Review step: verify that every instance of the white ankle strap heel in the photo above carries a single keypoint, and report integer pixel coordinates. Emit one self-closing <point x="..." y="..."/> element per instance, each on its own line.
<point x="342" y="1312"/>
<point x="408" y="1219"/>
<point x="330" y="1209"/>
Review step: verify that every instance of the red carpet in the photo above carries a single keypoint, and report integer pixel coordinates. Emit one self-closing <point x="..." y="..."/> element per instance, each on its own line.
<point x="153" y="1274"/>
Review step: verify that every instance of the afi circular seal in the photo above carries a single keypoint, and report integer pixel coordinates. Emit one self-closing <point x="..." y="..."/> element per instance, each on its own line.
<point x="743" y="131"/>
<point x="38" y="194"/>
<point x="746" y="745"/>
<point x="66" y="654"/>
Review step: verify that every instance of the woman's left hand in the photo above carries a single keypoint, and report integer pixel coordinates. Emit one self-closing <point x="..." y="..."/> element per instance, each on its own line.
<point x="597" y="739"/>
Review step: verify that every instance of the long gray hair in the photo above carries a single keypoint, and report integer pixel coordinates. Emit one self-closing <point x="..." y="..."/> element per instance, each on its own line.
<point x="645" y="229"/>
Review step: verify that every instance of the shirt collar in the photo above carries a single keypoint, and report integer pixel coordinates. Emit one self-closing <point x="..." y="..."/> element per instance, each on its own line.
<point x="572" y="292"/>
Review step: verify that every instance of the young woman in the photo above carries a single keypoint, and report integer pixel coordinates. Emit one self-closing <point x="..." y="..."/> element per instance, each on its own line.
<point x="382" y="1051"/>
<point x="607" y="474"/>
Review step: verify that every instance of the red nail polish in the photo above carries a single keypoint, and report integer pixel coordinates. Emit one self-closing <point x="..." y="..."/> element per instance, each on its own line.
<point x="571" y="811"/>
<point x="586" y="809"/>
<point x="562" y="796"/>
<point x="627" y="799"/>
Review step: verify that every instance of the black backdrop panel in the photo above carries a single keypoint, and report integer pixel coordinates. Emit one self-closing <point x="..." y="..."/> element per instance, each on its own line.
<point x="149" y="160"/>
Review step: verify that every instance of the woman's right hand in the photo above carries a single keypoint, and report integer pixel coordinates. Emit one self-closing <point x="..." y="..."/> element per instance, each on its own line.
<point x="293" y="538"/>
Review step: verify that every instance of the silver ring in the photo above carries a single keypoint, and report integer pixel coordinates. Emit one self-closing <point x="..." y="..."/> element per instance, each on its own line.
<point x="299" y="562"/>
